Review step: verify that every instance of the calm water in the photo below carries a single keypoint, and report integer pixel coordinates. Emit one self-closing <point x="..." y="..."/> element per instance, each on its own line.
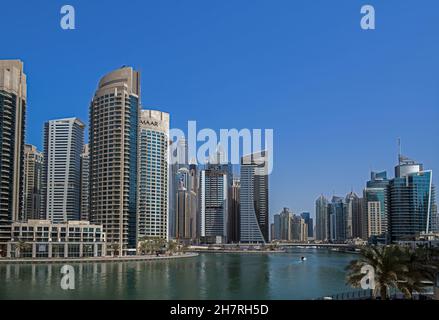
<point x="209" y="276"/>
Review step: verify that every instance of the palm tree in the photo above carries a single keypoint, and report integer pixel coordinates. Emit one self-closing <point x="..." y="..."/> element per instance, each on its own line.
<point x="388" y="264"/>
<point x="172" y="247"/>
<point x="20" y="247"/>
<point x="144" y="247"/>
<point x="114" y="248"/>
<point x="422" y="266"/>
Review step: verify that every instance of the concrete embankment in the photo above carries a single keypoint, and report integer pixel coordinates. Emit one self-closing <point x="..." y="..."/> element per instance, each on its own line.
<point x="96" y="259"/>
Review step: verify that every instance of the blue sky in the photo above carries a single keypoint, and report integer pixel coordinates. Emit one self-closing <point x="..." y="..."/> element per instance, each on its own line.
<point x="336" y="96"/>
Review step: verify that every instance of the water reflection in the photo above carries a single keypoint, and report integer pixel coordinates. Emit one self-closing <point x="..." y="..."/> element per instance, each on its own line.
<point x="209" y="276"/>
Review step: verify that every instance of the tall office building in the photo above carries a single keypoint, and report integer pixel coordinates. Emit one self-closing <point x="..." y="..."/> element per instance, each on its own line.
<point x="32" y="177"/>
<point x="178" y="160"/>
<point x="309" y="222"/>
<point x="63" y="143"/>
<point x="322" y="219"/>
<point x="186" y="205"/>
<point x="337" y="219"/>
<point x="412" y="201"/>
<point x="254" y="198"/>
<point x="353" y="215"/>
<point x="375" y="221"/>
<point x="275" y="232"/>
<point x="114" y="134"/>
<point x="85" y="183"/>
<point x="12" y="124"/>
<point x="214" y="202"/>
<point x="234" y="220"/>
<point x="153" y="175"/>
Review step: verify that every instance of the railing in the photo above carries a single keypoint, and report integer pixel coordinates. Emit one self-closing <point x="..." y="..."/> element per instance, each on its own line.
<point x="368" y="295"/>
<point x="351" y="295"/>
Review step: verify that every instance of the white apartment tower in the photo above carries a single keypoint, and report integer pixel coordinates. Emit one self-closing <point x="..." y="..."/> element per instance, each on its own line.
<point x="63" y="143"/>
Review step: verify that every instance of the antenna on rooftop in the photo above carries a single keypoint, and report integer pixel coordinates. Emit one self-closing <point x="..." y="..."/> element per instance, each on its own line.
<point x="399" y="150"/>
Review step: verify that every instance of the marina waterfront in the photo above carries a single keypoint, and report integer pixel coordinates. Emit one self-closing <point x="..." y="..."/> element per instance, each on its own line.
<point x="207" y="276"/>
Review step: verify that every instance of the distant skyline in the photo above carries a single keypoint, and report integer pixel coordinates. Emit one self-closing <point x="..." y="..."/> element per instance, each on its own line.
<point x="337" y="97"/>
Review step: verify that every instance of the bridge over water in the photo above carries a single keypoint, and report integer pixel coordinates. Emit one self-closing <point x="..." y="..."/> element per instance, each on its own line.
<point x="313" y="245"/>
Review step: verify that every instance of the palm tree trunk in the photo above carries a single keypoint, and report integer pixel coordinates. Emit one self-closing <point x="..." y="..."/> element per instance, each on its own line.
<point x="384" y="293"/>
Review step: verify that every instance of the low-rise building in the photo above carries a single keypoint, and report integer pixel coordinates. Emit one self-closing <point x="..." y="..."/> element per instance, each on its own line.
<point x="43" y="239"/>
<point x="428" y="240"/>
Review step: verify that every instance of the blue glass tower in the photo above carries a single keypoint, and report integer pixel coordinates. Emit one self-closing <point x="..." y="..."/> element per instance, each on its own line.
<point x="411" y="201"/>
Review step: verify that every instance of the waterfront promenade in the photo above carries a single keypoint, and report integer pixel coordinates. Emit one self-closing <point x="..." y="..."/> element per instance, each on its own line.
<point x="236" y="251"/>
<point x="96" y="259"/>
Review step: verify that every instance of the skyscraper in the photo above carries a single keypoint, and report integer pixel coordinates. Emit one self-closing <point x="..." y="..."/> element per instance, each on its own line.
<point x="85" y="183"/>
<point x="275" y="233"/>
<point x="322" y="219"/>
<point x="114" y="134"/>
<point x="375" y="221"/>
<point x="178" y="160"/>
<point x="153" y="183"/>
<point x="12" y="123"/>
<point x="285" y="228"/>
<point x="353" y="214"/>
<point x="234" y="220"/>
<point x="309" y="222"/>
<point x="186" y="205"/>
<point x="63" y="143"/>
<point x="412" y="201"/>
<point x="337" y="219"/>
<point x="254" y="198"/>
<point x="214" y="203"/>
<point x="32" y="191"/>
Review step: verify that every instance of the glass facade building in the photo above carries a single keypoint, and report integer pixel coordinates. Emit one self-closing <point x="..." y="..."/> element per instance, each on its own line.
<point x="153" y="175"/>
<point x="309" y="222"/>
<point x="412" y="203"/>
<point x="337" y="219"/>
<point x="322" y="219"/>
<point x="254" y="198"/>
<point x="376" y="207"/>
<point x="214" y="203"/>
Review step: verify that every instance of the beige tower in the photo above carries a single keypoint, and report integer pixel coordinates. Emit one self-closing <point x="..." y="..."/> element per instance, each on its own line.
<point x="32" y="191"/>
<point x="12" y="120"/>
<point x="114" y="119"/>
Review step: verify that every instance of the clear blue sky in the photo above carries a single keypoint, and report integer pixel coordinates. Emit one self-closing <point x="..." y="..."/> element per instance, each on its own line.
<point x="336" y="96"/>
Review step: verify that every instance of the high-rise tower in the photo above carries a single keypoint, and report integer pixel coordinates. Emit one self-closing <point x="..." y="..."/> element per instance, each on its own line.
<point x="411" y="200"/>
<point x="114" y="134"/>
<point x="375" y="222"/>
<point x="254" y="198"/>
<point x="85" y="183"/>
<point x="322" y="219"/>
<point x="63" y="143"/>
<point x="12" y="123"/>
<point x="153" y="175"/>
<point x="32" y="177"/>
